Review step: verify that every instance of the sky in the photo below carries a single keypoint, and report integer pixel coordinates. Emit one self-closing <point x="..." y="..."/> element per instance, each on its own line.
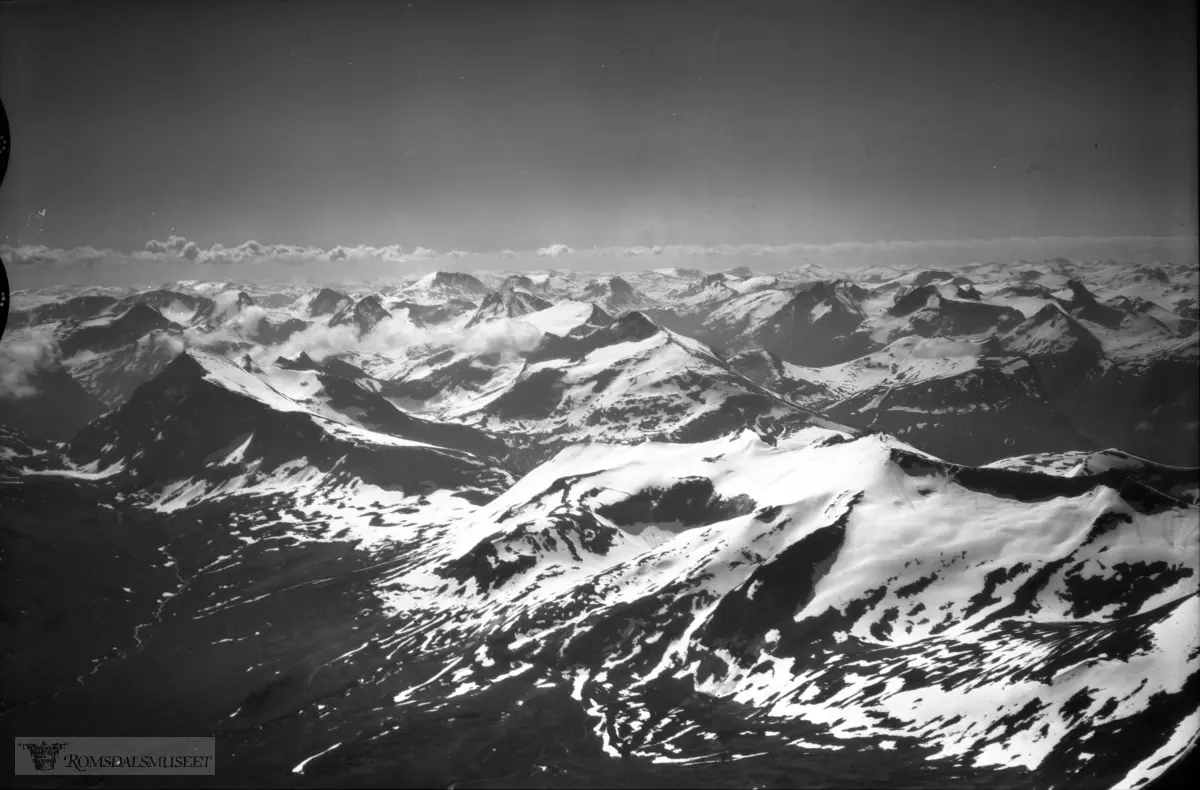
<point x="484" y="126"/>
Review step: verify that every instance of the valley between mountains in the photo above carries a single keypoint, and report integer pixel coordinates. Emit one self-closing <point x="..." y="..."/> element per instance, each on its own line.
<point x="666" y="528"/>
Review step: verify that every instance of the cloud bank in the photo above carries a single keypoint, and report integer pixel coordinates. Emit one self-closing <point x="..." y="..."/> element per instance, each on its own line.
<point x="35" y="266"/>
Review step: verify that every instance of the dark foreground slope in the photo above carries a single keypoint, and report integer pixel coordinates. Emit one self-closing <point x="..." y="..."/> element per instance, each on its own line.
<point x="821" y="612"/>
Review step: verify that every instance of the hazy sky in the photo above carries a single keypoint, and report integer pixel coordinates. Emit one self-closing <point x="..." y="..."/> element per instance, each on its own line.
<point x="482" y="126"/>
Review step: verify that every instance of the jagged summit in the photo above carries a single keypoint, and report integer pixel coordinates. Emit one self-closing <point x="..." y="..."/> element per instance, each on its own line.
<point x="597" y="319"/>
<point x="633" y="325"/>
<point x="968" y="291"/>
<point x="930" y="276"/>
<point x="327" y="302"/>
<point x="440" y="285"/>
<point x="518" y="281"/>
<point x="207" y="420"/>
<point x="271" y="332"/>
<point x="222" y="307"/>
<point x="302" y="362"/>
<point x="508" y="303"/>
<point x="630" y="327"/>
<point x="614" y="294"/>
<point x="910" y="299"/>
<point x="1083" y="304"/>
<point x="106" y="333"/>
<point x="1052" y="330"/>
<point x="364" y="315"/>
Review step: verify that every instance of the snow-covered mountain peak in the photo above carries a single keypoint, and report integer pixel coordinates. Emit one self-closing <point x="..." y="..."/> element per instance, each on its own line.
<point x="441" y="285"/>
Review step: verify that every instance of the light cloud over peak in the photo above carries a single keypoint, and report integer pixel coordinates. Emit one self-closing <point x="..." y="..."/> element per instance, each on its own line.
<point x="22" y="355"/>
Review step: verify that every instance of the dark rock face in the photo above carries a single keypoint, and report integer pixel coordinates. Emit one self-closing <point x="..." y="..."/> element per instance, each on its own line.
<point x="817" y="327"/>
<point x="163" y="299"/>
<point x="208" y="315"/>
<point x="1060" y="348"/>
<point x="532" y="398"/>
<point x="630" y="327"/>
<point x="931" y="276"/>
<point x="1154" y="274"/>
<point x="738" y="412"/>
<point x="134" y="323"/>
<point x="615" y="292"/>
<point x="518" y="281"/>
<point x="270" y="333"/>
<point x="997" y="410"/>
<point x="1083" y="304"/>
<point x="1133" y="305"/>
<point x="466" y="374"/>
<point x="364" y="315"/>
<point x="950" y="317"/>
<point x="350" y="396"/>
<point x="179" y="425"/>
<point x="1100" y="396"/>
<point x="766" y="370"/>
<point x="931" y="314"/>
<point x="327" y="302"/>
<point x="459" y="281"/>
<point x="691" y="502"/>
<point x="782" y="588"/>
<point x="339" y="367"/>
<point x="508" y="304"/>
<point x="908" y="300"/>
<point x="425" y="314"/>
<point x="1026" y="290"/>
<point x="56" y="410"/>
<point x="112" y="376"/>
<point x="1163" y="393"/>
<point x="302" y="362"/>
<point x="77" y="308"/>
<point x="597" y="320"/>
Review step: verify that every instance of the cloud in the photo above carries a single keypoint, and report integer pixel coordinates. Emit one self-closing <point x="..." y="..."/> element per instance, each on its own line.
<point x="23" y="355"/>
<point x="554" y="251"/>
<point x="173" y="342"/>
<point x="498" y="337"/>
<point x="42" y="256"/>
<point x="173" y="244"/>
<point x="636" y="251"/>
